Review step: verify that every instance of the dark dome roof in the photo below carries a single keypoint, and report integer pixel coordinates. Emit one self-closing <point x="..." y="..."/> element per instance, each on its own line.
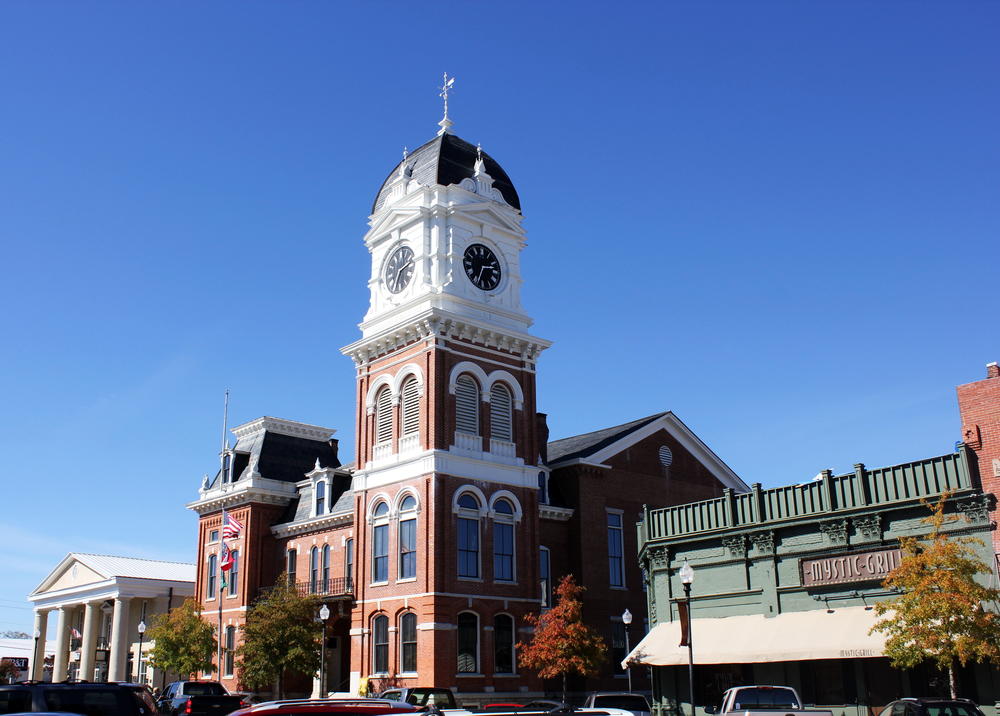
<point x="445" y="160"/>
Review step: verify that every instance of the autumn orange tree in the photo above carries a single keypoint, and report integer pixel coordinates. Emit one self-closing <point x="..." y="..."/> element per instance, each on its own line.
<point x="939" y="613"/>
<point x="562" y="644"/>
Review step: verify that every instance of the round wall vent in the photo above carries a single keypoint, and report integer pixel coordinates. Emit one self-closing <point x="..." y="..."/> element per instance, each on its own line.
<point x="666" y="457"/>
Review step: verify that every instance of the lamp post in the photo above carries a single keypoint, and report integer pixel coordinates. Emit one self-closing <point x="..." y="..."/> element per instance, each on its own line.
<point x="138" y="661"/>
<point x="627" y="621"/>
<point x="687" y="577"/>
<point x="324" y="614"/>
<point x="34" y="656"/>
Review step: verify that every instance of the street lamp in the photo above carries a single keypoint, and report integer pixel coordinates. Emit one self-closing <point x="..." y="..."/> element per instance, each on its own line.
<point x="627" y="621"/>
<point x="687" y="576"/>
<point x="324" y="614"/>
<point x="34" y="657"/>
<point x="138" y="661"/>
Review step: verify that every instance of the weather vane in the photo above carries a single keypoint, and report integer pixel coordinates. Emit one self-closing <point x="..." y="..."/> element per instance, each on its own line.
<point x="445" y="88"/>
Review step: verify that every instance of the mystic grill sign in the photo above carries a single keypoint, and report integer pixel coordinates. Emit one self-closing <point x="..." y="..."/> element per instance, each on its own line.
<point x="847" y="568"/>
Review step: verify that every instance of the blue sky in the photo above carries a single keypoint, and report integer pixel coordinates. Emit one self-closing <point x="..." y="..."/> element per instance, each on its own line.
<point x="777" y="219"/>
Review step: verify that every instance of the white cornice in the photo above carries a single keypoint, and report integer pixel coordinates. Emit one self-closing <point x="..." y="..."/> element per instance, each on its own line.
<point x="253" y="489"/>
<point x="283" y="427"/>
<point x="116" y="587"/>
<point x="551" y="512"/>
<point x="480" y="467"/>
<point x="313" y="524"/>
<point x="438" y="323"/>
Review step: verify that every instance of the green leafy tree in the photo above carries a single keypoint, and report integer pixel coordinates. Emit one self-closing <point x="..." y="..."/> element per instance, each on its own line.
<point x="182" y="641"/>
<point x="281" y="635"/>
<point x="8" y="671"/>
<point x="562" y="644"/>
<point x="939" y="614"/>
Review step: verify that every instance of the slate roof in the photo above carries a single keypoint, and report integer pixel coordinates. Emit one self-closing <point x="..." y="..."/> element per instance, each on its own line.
<point x="446" y="160"/>
<point x="580" y="446"/>
<point x="281" y="457"/>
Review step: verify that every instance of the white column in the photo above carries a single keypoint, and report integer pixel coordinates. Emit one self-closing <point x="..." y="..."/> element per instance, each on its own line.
<point x="38" y="656"/>
<point x="61" y="662"/>
<point x="119" y="641"/>
<point x="91" y="622"/>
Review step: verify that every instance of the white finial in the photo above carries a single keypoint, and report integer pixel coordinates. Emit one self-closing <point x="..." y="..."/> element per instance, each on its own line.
<point x="406" y="153"/>
<point x="317" y="465"/>
<point x="480" y="166"/>
<point x="204" y="483"/>
<point x="445" y="88"/>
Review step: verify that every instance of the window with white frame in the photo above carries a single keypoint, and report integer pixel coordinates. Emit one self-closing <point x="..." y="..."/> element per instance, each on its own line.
<point x="410" y="407"/>
<point x="408" y="538"/>
<point x="468" y="643"/>
<point x="503" y="541"/>
<point x="320" y="498"/>
<point x="503" y="644"/>
<point x="545" y="577"/>
<point x="291" y="563"/>
<point x="501" y="413"/>
<point x="380" y="644"/>
<point x="383" y="416"/>
<point x="408" y="642"/>
<point x="468" y="536"/>
<point x="467" y="405"/>
<point x="543" y="488"/>
<point x="313" y="570"/>
<point x="380" y="543"/>
<point x="616" y="553"/>
<point x="349" y="562"/>
<point x="617" y="644"/>
<point x="230" y="650"/>
<point x="234" y="573"/>
<point x="210" y="575"/>
<point x="325" y="585"/>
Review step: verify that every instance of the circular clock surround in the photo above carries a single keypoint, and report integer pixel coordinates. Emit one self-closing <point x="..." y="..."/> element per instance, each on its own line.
<point x="482" y="267"/>
<point x="398" y="269"/>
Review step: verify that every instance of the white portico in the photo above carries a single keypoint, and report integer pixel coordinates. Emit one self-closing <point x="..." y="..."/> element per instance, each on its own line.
<point x="98" y="602"/>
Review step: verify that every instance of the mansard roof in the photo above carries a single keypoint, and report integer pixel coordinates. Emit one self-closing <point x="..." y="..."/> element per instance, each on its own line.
<point x="447" y="160"/>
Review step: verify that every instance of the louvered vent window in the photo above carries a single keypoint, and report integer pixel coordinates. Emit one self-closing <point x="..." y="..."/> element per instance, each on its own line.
<point x="500" y="413"/>
<point x="467" y="405"/>
<point x="411" y="407"/>
<point x="383" y="417"/>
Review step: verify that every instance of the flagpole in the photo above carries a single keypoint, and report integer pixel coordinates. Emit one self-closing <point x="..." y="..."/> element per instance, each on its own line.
<point x="223" y="478"/>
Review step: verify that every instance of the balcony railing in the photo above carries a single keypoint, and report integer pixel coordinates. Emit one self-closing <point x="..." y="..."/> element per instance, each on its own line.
<point x="334" y="587"/>
<point x="381" y="450"/>
<point x="409" y="443"/>
<point x="466" y="441"/>
<point x="503" y="448"/>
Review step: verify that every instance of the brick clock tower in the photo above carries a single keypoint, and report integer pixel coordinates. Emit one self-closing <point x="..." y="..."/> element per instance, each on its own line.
<point x="449" y="446"/>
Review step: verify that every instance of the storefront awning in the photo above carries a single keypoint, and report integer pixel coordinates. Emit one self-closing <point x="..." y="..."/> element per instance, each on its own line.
<point x="792" y="636"/>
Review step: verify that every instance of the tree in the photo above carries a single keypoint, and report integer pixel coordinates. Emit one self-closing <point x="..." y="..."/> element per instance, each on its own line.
<point x="562" y="644"/>
<point x="939" y="614"/>
<point x="281" y="634"/>
<point x="182" y="641"/>
<point x="13" y="634"/>
<point x="8" y="671"/>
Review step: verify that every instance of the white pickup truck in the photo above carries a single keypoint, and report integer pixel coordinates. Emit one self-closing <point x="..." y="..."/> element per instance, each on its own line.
<point x="763" y="701"/>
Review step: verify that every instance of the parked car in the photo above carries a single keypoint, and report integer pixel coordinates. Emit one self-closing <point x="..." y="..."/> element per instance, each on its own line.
<point x="422" y="696"/>
<point x="77" y="698"/>
<point x="764" y="701"/>
<point x="198" y="698"/>
<point x="635" y="704"/>
<point x="321" y="707"/>
<point x="931" y="706"/>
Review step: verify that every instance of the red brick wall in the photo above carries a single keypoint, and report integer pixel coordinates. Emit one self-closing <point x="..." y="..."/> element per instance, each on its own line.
<point x="979" y="407"/>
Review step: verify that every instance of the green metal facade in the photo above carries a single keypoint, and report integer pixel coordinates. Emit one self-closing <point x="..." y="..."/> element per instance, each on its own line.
<point x="746" y="550"/>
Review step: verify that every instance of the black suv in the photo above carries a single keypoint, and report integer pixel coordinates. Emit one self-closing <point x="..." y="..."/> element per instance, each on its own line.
<point x="931" y="706"/>
<point x="77" y="698"/>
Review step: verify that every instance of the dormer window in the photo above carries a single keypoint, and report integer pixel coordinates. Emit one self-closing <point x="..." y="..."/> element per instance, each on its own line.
<point x="320" y="498"/>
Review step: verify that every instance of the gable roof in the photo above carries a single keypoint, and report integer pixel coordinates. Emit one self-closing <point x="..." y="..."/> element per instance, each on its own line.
<point x="109" y="567"/>
<point x="596" y="447"/>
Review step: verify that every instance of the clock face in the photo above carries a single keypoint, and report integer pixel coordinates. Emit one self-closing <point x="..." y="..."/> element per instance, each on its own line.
<point x="399" y="269"/>
<point x="482" y="267"/>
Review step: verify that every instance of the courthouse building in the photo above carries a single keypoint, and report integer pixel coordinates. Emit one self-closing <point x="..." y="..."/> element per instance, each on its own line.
<point x="785" y="578"/>
<point x="458" y="515"/>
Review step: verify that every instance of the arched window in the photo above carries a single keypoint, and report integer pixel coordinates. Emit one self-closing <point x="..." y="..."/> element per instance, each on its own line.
<point x="383" y="416"/>
<point x="320" y="498"/>
<point x="410" y="407"/>
<point x="234" y="573"/>
<point x="325" y="585"/>
<point x="210" y="572"/>
<point x="380" y="544"/>
<point x="380" y="644"/>
<point x="468" y="643"/>
<point x="291" y="565"/>
<point x="467" y="405"/>
<point x="543" y="488"/>
<point x="503" y="644"/>
<point x="501" y="413"/>
<point x="468" y="536"/>
<point x="503" y="541"/>
<point x="349" y="564"/>
<point x="408" y="538"/>
<point x="408" y="642"/>
<point x="313" y="569"/>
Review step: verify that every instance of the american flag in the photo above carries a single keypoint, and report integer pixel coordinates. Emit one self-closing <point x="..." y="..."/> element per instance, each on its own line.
<point x="231" y="527"/>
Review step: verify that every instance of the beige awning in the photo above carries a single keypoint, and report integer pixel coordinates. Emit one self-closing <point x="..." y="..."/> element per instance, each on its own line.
<point x="792" y="636"/>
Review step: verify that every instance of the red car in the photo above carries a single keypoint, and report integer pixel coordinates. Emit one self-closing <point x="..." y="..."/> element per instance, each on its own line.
<point x="319" y="707"/>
